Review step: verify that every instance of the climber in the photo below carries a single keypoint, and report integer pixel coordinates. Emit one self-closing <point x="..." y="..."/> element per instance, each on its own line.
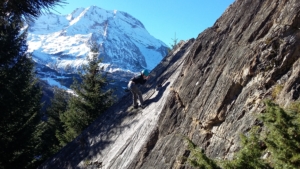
<point x="133" y="87"/>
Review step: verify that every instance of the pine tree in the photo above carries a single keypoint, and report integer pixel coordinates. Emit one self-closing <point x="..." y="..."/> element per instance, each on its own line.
<point x="175" y="42"/>
<point x="27" y="8"/>
<point x="19" y="93"/>
<point x="48" y="143"/>
<point x="90" y="101"/>
<point x="283" y="135"/>
<point x="198" y="158"/>
<point x="19" y="98"/>
<point x="249" y="156"/>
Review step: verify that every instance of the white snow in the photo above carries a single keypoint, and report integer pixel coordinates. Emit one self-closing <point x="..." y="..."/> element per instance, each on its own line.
<point x="53" y="82"/>
<point x="65" y="41"/>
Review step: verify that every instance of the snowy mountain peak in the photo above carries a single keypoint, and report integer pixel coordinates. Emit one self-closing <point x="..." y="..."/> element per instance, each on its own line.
<point x="63" y="42"/>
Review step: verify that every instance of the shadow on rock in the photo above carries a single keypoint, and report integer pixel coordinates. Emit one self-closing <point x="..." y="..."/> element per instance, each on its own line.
<point x="161" y="90"/>
<point x="94" y="139"/>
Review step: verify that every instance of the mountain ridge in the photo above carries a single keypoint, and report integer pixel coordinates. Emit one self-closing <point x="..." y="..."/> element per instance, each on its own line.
<point x="62" y="42"/>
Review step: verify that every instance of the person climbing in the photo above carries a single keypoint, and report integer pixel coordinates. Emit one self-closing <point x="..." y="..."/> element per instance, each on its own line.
<point x="133" y="87"/>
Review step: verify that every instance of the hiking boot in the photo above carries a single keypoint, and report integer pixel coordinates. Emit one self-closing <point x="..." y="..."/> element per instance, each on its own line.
<point x="143" y="106"/>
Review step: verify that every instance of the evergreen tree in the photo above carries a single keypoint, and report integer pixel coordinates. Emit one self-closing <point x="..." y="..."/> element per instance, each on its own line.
<point x="19" y="98"/>
<point x="26" y="8"/>
<point x="19" y="93"/>
<point x="90" y="100"/>
<point x="249" y="156"/>
<point x="283" y="135"/>
<point x="175" y="42"/>
<point x="198" y="159"/>
<point x="48" y="143"/>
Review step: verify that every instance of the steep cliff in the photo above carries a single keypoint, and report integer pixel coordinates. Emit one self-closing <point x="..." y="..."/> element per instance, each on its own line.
<point x="211" y="91"/>
<point x="231" y="68"/>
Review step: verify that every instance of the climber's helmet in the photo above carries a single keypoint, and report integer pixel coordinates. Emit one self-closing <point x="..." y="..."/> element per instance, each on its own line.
<point x="145" y="72"/>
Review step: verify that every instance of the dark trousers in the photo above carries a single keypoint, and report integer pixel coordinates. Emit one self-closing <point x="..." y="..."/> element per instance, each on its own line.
<point x="136" y="93"/>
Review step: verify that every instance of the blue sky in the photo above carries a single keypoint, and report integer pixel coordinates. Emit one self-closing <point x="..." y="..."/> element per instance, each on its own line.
<point x="162" y="18"/>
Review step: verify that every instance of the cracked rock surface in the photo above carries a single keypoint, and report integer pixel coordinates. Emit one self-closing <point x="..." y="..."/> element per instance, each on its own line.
<point x="232" y="67"/>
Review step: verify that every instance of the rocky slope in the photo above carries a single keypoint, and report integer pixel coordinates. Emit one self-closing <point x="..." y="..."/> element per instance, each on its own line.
<point x="212" y="90"/>
<point x="231" y="68"/>
<point x="121" y="131"/>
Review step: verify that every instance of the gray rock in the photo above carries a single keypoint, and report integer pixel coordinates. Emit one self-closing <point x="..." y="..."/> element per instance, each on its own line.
<point x="231" y="68"/>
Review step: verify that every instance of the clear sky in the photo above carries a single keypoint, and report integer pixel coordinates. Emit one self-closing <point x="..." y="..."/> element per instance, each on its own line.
<point x="162" y="18"/>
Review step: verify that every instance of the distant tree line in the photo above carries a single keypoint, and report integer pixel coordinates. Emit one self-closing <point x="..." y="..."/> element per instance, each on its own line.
<point x="26" y="140"/>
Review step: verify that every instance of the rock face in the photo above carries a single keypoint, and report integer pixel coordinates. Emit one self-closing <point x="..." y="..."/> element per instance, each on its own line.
<point x="117" y="137"/>
<point x="231" y="68"/>
<point x="213" y="88"/>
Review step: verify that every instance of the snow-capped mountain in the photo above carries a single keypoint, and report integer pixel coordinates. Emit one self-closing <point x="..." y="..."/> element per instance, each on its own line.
<point x="63" y="42"/>
<point x="60" y="44"/>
